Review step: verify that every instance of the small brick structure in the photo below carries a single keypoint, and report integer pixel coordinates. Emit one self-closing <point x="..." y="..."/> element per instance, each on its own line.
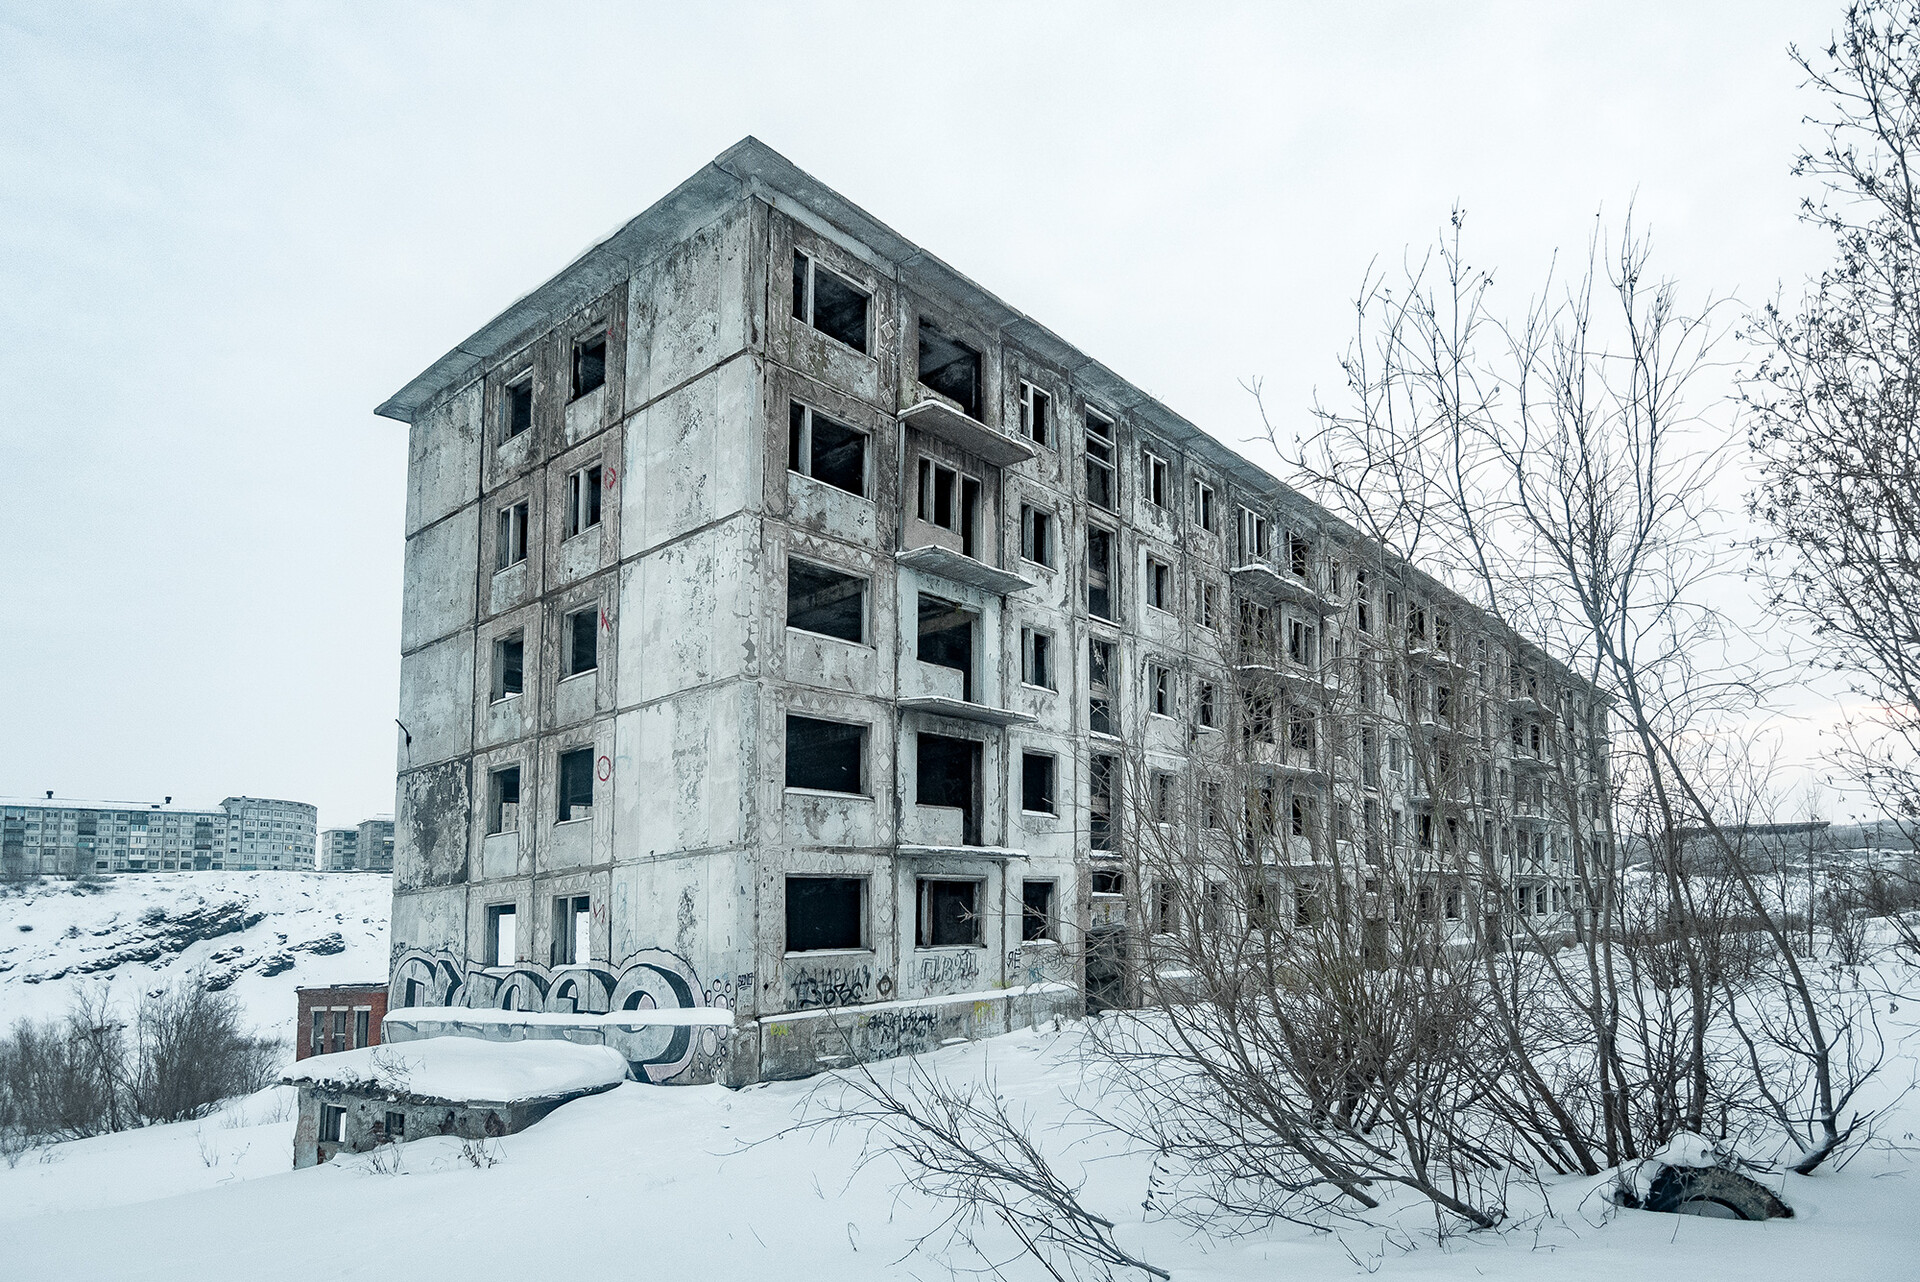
<point x="342" y="1017"/>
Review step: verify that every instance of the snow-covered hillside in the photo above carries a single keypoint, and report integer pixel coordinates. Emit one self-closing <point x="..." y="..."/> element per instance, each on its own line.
<point x="257" y="935"/>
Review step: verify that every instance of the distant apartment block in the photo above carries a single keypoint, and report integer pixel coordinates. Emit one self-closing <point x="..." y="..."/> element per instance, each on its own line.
<point x="52" y="837"/>
<point x="367" y="848"/>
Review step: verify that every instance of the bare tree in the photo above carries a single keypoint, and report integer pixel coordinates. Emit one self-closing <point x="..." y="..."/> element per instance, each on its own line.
<point x="1836" y="394"/>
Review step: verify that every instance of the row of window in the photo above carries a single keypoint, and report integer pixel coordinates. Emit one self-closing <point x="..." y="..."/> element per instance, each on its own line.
<point x="579" y="653"/>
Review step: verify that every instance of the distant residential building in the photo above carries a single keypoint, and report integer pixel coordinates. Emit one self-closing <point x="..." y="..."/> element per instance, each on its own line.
<point x="367" y="848"/>
<point x="54" y="837"/>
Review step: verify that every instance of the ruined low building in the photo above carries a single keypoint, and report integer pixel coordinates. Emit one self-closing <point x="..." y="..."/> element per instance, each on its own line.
<point x="784" y="613"/>
<point x="354" y="1101"/>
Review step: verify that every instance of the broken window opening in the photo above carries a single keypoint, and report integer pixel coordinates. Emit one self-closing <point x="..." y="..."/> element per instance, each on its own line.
<point x="572" y="928"/>
<point x="589" y="365"/>
<point x="826" y="913"/>
<point x="947" y="774"/>
<point x="516" y="408"/>
<point x="1036" y="414"/>
<point x="825" y="601"/>
<point x="583" y="641"/>
<point x="1036" y="911"/>
<point x="396" y="1127"/>
<point x="1037" y="783"/>
<point x="950" y="367"/>
<point x="946" y="639"/>
<point x="1100" y="717"/>
<point x="1099" y="461"/>
<point x="1109" y="881"/>
<point x="825" y="449"/>
<point x="1207" y="613"/>
<point x="1253" y="535"/>
<point x="1102" y="785"/>
<point x="829" y="302"/>
<point x="949" y="915"/>
<point x="1205" y="709"/>
<point x="1159" y="584"/>
<point x="1103" y="583"/>
<point x="1036" y="536"/>
<point x="509" y="665"/>
<point x="576" y="785"/>
<point x="1299" y="556"/>
<point x="1163" y="797"/>
<point x="503" y="800"/>
<point x="1036" y="658"/>
<point x="1153" y="478"/>
<point x="510" y="543"/>
<point x="1160" y="690"/>
<point x="333" y="1124"/>
<point x="826" y="756"/>
<point x="1203" y="506"/>
<point x="583" y="500"/>
<point x="500" y="941"/>
<point x="950" y="500"/>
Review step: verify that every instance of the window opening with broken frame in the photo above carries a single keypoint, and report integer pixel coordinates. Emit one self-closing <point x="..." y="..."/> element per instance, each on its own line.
<point x="583" y="641"/>
<point x="576" y="785"/>
<point x="829" y="302"/>
<point x="826" y="449"/>
<point x="510" y="537"/>
<point x="950" y="367"/>
<point x="1036" y="912"/>
<point x="826" y="601"/>
<point x="583" y="500"/>
<point x="1036" y="414"/>
<point x="503" y="800"/>
<point x="949" y="913"/>
<point x="826" y="756"/>
<point x="509" y="665"/>
<point x="1037" y="772"/>
<point x="1100" y="486"/>
<point x="589" y="364"/>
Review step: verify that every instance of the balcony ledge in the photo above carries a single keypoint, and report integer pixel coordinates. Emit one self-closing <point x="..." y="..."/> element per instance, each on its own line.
<point x="960" y="568"/>
<point x="938" y="419"/>
<point x="942" y="706"/>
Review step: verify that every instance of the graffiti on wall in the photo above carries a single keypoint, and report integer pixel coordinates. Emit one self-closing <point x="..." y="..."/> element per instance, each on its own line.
<point x="814" y="986"/>
<point x="950" y="968"/>
<point x="652" y="979"/>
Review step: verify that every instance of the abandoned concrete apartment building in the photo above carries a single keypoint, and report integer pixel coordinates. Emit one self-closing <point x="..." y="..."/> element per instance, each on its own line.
<point x="779" y="608"/>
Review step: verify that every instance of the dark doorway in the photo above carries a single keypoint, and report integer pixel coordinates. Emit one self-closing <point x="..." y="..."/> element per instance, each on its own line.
<point x="1106" y="970"/>
<point x="946" y="639"/>
<point x="948" y="774"/>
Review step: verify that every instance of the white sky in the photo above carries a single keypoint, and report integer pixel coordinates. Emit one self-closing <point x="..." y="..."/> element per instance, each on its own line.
<point x="226" y="233"/>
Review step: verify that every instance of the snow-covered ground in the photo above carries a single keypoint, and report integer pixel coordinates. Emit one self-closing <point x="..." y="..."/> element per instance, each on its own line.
<point x="648" y="1181"/>
<point x="259" y="935"/>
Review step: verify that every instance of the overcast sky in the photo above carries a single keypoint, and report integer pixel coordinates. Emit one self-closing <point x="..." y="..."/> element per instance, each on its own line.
<point x="227" y="233"/>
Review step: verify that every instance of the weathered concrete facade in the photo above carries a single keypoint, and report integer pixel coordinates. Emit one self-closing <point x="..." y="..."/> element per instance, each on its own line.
<point x="48" y="837"/>
<point x="876" y="573"/>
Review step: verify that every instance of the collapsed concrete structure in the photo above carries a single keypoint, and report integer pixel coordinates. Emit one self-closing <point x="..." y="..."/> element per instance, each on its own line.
<point x="779" y="606"/>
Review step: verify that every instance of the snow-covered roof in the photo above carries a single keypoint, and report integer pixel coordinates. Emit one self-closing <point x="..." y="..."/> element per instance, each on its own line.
<point x="467" y="1069"/>
<point x="419" y="1016"/>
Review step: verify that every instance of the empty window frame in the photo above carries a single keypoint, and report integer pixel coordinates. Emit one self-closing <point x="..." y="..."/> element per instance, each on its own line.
<point x="583" y="500"/>
<point x="826" y="913"/>
<point x="576" y="786"/>
<point x="1362" y="601"/>
<point x="1100" y="486"/>
<point x="1102" y="788"/>
<point x="949" y="500"/>
<point x="510" y="537"/>
<point x="1036" y="414"/>
<point x="1302" y="642"/>
<point x="509" y="665"/>
<point x="1037" y="782"/>
<point x="826" y="449"/>
<point x="1299" y="556"/>
<point x="1153" y="478"/>
<point x="1036" y="911"/>
<point x="946" y="637"/>
<point x="950" y="367"/>
<point x="396" y="1127"/>
<point x="827" y="756"/>
<point x="572" y="929"/>
<point x="501" y="943"/>
<point x="1166" y="908"/>
<point x="1159" y="584"/>
<point x="829" y="302"/>
<point x="825" y="601"/>
<point x="1164" y="797"/>
<point x="516" y="407"/>
<point x="1109" y="881"/>
<point x="1159" y="690"/>
<point x="1203" y="506"/>
<point x="333" y="1124"/>
<point x="949" y="914"/>
<point x="1207" y="605"/>
<point x="582" y="641"/>
<point x="503" y="800"/>
<point x="1100" y="718"/>
<point x="589" y="364"/>
<point x="1036" y="658"/>
<point x="1254" y="535"/>
<point x="1206" y="708"/>
<point x="1036" y="536"/>
<point x="1103" y="578"/>
<point x="1300" y="728"/>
